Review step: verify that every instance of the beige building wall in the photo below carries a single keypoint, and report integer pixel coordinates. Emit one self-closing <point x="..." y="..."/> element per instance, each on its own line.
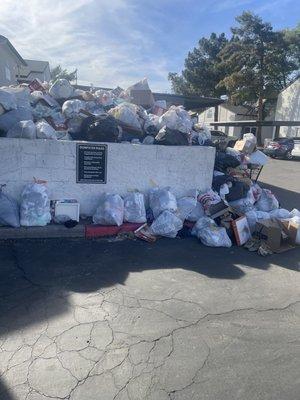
<point x="8" y="67"/>
<point x="225" y="114"/>
<point x="288" y="109"/>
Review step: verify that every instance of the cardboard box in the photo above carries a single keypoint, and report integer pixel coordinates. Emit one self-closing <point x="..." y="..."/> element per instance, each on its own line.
<point x="142" y="98"/>
<point x="245" y="146"/>
<point x="278" y="235"/>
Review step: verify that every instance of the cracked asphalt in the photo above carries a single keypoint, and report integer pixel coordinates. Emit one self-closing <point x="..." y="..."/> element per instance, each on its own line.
<point x="129" y="320"/>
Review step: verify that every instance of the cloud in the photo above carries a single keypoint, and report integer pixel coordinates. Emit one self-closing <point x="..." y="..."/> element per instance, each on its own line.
<point x="106" y="40"/>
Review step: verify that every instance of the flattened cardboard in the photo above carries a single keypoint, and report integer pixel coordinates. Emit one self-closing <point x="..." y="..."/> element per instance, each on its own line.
<point x="275" y="234"/>
<point x="142" y="97"/>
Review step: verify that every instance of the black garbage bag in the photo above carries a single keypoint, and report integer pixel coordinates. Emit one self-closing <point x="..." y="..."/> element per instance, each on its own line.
<point x="102" y="128"/>
<point x="219" y="180"/>
<point x="238" y="191"/>
<point x="224" y="161"/>
<point x="151" y="130"/>
<point x="171" y="137"/>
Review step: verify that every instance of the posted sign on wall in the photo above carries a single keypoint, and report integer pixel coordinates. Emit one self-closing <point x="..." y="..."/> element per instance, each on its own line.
<point x="91" y="160"/>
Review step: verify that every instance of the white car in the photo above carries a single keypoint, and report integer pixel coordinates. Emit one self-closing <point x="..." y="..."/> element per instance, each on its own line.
<point x="296" y="150"/>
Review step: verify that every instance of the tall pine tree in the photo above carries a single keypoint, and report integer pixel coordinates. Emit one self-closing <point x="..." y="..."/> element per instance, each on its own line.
<point x="203" y="70"/>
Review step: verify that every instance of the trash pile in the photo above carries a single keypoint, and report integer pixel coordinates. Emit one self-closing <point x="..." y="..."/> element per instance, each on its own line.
<point x="61" y="112"/>
<point x="235" y="211"/>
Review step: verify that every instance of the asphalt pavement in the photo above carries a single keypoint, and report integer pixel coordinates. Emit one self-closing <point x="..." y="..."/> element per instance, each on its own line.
<point x="129" y="320"/>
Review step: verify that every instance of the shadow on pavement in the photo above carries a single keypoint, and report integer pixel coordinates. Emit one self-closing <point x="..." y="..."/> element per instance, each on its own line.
<point x="4" y="394"/>
<point x="36" y="276"/>
<point x="45" y="271"/>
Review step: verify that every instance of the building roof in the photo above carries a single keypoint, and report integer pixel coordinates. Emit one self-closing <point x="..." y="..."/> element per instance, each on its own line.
<point x="189" y="102"/>
<point x="240" y="110"/>
<point x="33" y="66"/>
<point x="290" y="84"/>
<point x="5" y="42"/>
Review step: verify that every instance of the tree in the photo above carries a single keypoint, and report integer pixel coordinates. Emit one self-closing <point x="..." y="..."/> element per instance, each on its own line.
<point x="203" y="69"/>
<point x="59" y="73"/>
<point x="259" y="62"/>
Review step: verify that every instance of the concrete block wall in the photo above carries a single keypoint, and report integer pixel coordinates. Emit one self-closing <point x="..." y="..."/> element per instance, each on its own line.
<point x="129" y="167"/>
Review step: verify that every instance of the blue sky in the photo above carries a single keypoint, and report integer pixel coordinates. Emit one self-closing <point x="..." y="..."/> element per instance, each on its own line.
<point x="118" y="42"/>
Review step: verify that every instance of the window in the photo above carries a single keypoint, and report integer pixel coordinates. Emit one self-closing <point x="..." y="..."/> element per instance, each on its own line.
<point x="7" y="73"/>
<point x="210" y="113"/>
<point x="250" y="129"/>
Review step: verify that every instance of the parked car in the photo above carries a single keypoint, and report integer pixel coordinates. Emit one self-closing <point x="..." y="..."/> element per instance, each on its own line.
<point x="280" y="147"/>
<point x="222" y="140"/>
<point x="296" y="149"/>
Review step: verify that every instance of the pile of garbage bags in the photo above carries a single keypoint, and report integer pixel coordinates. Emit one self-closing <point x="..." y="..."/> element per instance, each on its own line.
<point x="33" y="210"/>
<point x="205" y="215"/>
<point x="58" y="111"/>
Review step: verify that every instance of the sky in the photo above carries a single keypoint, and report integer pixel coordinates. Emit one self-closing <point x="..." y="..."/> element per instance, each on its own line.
<point x="118" y="42"/>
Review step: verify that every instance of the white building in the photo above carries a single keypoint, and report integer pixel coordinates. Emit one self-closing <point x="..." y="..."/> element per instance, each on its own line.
<point x="288" y="109"/>
<point x="227" y="113"/>
<point x="10" y="62"/>
<point x="35" y="69"/>
<point x="230" y="113"/>
<point x="14" y="69"/>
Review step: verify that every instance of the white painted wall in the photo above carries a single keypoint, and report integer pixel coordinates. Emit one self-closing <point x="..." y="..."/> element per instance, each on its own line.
<point x="288" y="108"/>
<point x="8" y="67"/>
<point x="128" y="167"/>
<point x="224" y="114"/>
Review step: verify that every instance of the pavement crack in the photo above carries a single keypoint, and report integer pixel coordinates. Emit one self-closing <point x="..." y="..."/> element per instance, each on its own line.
<point x="20" y="268"/>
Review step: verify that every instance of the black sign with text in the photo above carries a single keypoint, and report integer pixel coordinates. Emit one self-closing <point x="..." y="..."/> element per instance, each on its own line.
<point x="91" y="160"/>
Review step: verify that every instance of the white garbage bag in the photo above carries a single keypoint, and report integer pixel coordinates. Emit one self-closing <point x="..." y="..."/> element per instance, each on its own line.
<point x="23" y="129"/>
<point x="152" y="120"/>
<point x="61" y="89"/>
<point x="7" y="100"/>
<point x="9" y="211"/>
<point x="215" y="236"/>
<point x="245" y="204"/>
<point x="148" y="140"/>
<point x="196" y="213"/>
<point x="186" y="205"/>
<point x="41" y="110"/>
<point x="267" y="201"/>
<point x="295" y="213"/>
<point x="210" y="234"/>
<point x="201" y="223"/>
<point x="21" y="94"/>
<point x="35" y="96"/>
<point x="128" y="114"/>
<point x="250" y="137"/>
<point x="71" y="108"/>
<point x="110" y="210"/>
<point x="134" y="208"/>
<point x="254" y="216"/>
<point x="166" y="224"/>
<point x="280" y="213"/>
<point x="45" y="131"/>
<point x="35" y="205"/>
<point x="161" y="199"/>
<point x="10" y="118"/>
<point x="177" y="118"/>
